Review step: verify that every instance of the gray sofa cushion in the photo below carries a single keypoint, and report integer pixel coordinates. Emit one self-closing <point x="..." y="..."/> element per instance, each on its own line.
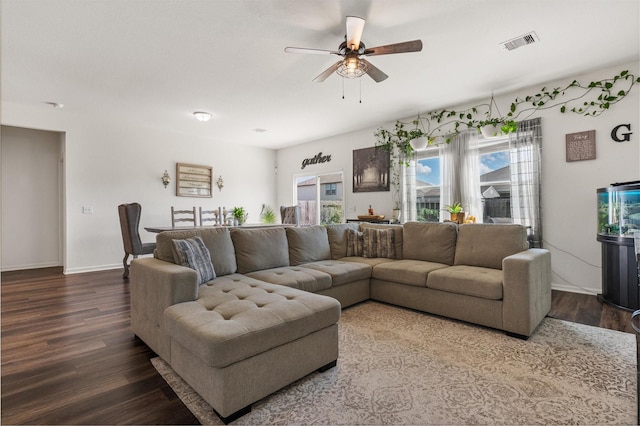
<point x="397" y="237"/>
<point x="406" y="271"/>
<point x="470" y="280"/>
<point x="217" y="240"/>
<point x="237" y="317"/>
<point x="338" y="238"/>
<point x="487" y="244"/>
<point x="308" y="244"/>
<point x="261" y="248"/>
<point x="432" y="242"/>
<point x="341" y="272"/>
<point x="295" y="277"/>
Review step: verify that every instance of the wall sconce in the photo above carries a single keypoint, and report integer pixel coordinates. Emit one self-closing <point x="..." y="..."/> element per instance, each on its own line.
<point x="166" y="179"/>
<point x="220" y="182"/>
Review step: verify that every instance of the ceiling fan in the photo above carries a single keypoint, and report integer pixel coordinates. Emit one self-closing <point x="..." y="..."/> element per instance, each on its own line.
<point x="352" y="49"/>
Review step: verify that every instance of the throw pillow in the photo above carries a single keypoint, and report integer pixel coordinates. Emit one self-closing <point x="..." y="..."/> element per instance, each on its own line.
<point x="378" y="243"/>
<point x="193" y="254"/>
<point x="354" y="243"/>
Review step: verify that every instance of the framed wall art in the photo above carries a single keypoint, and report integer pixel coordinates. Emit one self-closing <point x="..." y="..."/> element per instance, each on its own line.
<point x="193" y="180"/>
<point x="581" y="145"/>
<point x="370" y="170"/>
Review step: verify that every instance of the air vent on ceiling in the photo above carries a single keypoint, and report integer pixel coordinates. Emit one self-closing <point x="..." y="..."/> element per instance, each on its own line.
<point x="523" y="40"/>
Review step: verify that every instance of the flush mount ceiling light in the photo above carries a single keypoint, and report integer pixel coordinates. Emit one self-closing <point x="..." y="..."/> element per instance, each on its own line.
<point x="202" y="116"/>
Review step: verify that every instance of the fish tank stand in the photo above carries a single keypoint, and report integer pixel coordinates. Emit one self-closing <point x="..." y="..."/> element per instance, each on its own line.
<point x="618" y="222"/>
<point x="619" y="273"/>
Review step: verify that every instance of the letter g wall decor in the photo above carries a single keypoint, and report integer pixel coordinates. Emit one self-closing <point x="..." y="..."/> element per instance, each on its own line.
<point x="620" y="135"/>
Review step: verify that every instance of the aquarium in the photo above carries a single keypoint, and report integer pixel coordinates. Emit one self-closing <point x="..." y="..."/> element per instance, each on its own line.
<point x="619" y="209"/>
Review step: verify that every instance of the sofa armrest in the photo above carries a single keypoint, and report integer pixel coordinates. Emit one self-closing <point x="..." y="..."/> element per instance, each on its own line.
<point x="154" y="286"/>
<point x="526" y="290"/>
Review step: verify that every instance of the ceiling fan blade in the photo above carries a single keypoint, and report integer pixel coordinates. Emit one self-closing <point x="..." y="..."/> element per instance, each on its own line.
<point x="355" y="26"/>
<point x="312" y="51"/>
<point x="374" y="72"/>
<point x="322" y="77"/>
<point x="407" y="46"/>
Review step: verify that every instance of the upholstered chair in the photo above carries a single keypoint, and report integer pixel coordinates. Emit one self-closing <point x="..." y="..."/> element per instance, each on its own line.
<point x="129" y="223"/>
<point x="291" y="215"/>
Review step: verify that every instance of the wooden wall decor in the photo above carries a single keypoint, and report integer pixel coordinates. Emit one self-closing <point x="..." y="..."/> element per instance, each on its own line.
<point x="581" y="145"/>
<point x="193" y="180"/>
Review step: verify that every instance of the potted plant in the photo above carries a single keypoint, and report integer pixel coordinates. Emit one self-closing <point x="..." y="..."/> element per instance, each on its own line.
<point x="239" y="214"/>
<point x="267" y="214"/>
<point x="456" y="211"/>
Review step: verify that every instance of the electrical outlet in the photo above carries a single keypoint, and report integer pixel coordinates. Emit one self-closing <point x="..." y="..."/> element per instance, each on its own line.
<point x="87" y="209"/>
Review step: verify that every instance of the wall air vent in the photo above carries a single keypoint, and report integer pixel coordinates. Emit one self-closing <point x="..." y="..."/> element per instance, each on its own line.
<point x="523" y="40"/>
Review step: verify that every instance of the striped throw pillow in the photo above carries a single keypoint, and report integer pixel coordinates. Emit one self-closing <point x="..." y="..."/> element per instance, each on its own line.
<point x="378" y="243"/>
<point x="193" y="254"/>
<point x="354" y="243"/>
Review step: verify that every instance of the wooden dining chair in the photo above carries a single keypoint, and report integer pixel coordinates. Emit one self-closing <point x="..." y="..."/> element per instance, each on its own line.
<point x="129" y="223"/>
<point x="207" y="216"/>
<point x="179" y="216"/>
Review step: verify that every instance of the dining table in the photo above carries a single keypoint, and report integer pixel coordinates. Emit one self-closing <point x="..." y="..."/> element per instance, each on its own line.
<point x="158" y="229"/>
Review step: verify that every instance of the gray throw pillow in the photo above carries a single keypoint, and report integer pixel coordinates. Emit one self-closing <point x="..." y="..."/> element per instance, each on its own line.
<point x="193" y="254"/>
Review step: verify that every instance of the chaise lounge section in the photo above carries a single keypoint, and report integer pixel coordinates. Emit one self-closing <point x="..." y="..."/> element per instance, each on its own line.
<point x="269" y="316"/>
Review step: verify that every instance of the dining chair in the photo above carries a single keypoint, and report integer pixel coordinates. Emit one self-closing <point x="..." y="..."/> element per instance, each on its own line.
<point x="133" y="245"/>
<point x="208" y="216"/>
<point x="178" y="216"/>
<point x="290" y="215"/>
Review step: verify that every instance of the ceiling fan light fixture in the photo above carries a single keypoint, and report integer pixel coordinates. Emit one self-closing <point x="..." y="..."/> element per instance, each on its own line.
<point x="352" y="67"/>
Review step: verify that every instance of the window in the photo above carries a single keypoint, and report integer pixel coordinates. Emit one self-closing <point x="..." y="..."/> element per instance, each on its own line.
<point x="330" y="188"/>
<point x="495" y="181"/>
<point x="320" y="197"/>
<point x="428" y="185"/>
<point x="495" y="178"/>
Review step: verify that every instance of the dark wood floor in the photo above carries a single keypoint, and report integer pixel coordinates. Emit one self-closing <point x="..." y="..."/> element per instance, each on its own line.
<point x="69" y="357"/>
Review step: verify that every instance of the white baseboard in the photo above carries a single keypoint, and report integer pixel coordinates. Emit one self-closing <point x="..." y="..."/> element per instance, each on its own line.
<point x="574" y="289"/>
<point x="70" y="271"/>
<point x="30" y="266"/>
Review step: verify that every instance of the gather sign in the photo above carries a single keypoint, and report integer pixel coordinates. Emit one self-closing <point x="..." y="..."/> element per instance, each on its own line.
<point x="319" y="158"/>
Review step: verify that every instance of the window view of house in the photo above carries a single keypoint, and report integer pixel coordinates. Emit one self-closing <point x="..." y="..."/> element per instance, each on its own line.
<point x="321" y="198"/>
<point x="495" y="181"/>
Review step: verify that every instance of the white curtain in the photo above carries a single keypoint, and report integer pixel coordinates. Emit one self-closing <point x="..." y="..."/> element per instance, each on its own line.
<point x="460" y="174"/>
<point x="526" y="171"/>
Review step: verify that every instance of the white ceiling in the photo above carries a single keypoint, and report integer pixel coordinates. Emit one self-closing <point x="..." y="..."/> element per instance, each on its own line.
<point x="155" y="62"/>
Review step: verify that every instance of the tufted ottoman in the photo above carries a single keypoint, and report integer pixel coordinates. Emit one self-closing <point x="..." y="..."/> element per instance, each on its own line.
<point x="243" y="339"/>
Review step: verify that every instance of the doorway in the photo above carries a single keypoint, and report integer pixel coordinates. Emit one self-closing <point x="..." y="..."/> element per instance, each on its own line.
<point x="32" y="182"/>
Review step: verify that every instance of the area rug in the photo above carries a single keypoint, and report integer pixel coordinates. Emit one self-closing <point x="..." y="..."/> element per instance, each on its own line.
<point x="398" y="366"/>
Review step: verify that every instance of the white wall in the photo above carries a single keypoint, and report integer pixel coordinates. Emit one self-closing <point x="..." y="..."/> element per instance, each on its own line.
<point x="568" y="189"/>
<point x="107" y="164"/>
<point x="31" y="225"/>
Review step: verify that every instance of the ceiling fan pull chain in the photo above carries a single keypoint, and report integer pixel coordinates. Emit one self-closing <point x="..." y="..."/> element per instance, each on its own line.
<point x="343" y="88"/>
<point x="360" y="81"/>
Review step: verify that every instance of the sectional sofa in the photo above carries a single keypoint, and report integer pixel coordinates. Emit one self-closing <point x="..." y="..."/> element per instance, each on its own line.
<point x="240" y="313"/>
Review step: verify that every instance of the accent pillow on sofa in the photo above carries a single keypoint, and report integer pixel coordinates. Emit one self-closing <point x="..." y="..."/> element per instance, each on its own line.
<point x="354" y="243"/>
<point x="337" y="234"/>
<point x="193" y="254"/>
<point x="397" y="236"/>
<point x="378" y="243"/>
